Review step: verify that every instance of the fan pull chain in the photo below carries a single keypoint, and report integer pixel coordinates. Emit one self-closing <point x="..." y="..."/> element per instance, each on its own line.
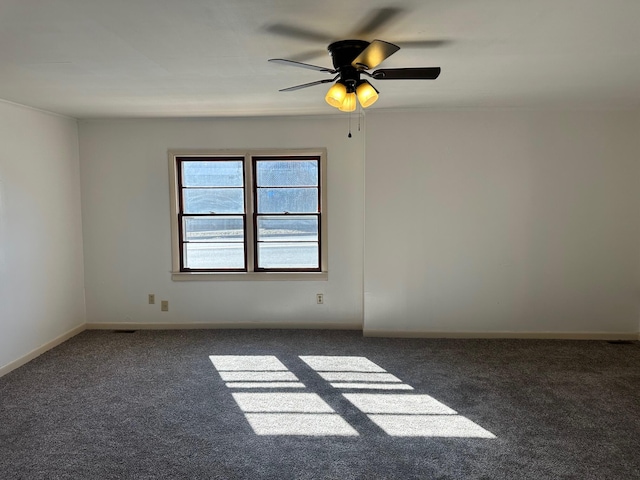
<point x="349" y="136"/>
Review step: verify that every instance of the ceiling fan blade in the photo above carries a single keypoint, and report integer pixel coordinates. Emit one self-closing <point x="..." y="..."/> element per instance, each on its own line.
<point x="305" y="85"/>
<point x="308" y="55"/>
<point x="299" y="33"/>
<point x="293" y="63"/>
<point x="375" y="20"/>
<point x="425" y="43"/>
<point x="424" y="73"/>
<point x="374" y="54"/>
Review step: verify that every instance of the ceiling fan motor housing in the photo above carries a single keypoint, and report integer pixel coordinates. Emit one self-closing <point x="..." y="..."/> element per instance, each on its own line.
<point x="342" y="54"/>
<point x="345" y="51"/>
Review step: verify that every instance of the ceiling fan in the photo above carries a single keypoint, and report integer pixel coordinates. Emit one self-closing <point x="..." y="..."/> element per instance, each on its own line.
<point x="353" y="59"/>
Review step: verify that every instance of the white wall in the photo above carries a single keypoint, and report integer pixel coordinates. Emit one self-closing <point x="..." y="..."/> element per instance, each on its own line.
<point x="41" y="271"/>
<point x="126" y="224"/>
<point x="487" y="221"/>
<point x="498" y="221"/>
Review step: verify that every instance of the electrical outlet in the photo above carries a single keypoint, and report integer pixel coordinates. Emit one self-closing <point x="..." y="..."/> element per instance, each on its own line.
<point x="164" y="305"/>
<point x="319" y="298"/>
<point x="152" y="299"/>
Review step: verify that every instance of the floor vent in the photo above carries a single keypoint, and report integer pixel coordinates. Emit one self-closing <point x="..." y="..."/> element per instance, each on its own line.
<point x="124" y="331"/>
<point x="621" y="342"/>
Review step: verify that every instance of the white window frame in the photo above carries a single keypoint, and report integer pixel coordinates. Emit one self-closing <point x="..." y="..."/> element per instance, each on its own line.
<point x="250" y="274"/>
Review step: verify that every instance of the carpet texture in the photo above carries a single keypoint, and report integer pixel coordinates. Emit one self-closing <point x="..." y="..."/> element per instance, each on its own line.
<point x="287" y="404"/>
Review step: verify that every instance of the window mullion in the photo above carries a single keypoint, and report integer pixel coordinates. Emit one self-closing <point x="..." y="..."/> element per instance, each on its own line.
<point x="250" y="222"/>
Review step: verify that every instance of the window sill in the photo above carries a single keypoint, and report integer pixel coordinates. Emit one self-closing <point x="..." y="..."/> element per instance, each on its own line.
<point x="251" y="276"/>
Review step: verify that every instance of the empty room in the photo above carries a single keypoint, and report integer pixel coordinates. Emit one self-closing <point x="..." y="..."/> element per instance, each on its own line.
<point x="319" y="240"/>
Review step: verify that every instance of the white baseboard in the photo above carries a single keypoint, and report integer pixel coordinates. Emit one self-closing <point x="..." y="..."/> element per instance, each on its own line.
<point x="224" y="326"/>
<point x="366" y="332"/>
<point x="316" y="326"/>
<point x="521" y="335"/>
<point x="40" y="350"/>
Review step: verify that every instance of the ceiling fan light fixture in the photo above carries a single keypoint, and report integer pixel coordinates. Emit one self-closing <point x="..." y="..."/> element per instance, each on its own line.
<point x="336" y="94"/>
<point x="367" y="94"/>
<point x="349" y="104"/>
<point x="351" y="59"/>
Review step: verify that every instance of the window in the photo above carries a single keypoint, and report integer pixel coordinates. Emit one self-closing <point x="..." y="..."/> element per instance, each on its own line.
<point x="248" y="213"/>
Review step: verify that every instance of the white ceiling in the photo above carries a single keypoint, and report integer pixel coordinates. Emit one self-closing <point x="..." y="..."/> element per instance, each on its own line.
<point x="123" y="58"/>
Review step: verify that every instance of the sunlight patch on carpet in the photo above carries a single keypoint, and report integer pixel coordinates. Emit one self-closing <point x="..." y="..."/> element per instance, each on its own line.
<point x="236" y="376"/>
<point x="397" y="414"/>
<point x="430" y="426"/>
<point x="372" y="386"/>
<point x="282" y="402"/>
<point x="358" y="377"/>
<point x="324" y="363"/>
<point x="265" y="385"/>
<point x="282" y="412"/>
<point x="398" y="404"/>
<point x="255" y="363"/>
<point x="254" y="371"/>
<point x="307" y="424"/>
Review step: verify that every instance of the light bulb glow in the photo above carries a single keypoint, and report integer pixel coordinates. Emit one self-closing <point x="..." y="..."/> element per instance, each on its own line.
<point x="336" y="95"/>
<point x="367" y="94"/>
<point x="349" y="104"/>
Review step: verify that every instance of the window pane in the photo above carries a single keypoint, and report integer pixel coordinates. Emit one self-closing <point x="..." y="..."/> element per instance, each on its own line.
<point x="289" y="228"/>
<point x="219" y="229"/>
<point x="288" y="255"/>
<point x="213" y="200"/>
<point x="282" y="173"/>
<point x="214" y="255"/>
<point x="292" y="200"/>
<point x="212" y="173"/>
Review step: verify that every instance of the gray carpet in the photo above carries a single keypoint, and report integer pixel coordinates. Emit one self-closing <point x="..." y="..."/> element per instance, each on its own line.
<point x="151" y="404"/>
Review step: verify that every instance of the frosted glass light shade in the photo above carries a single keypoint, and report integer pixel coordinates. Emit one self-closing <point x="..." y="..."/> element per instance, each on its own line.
<point x="367" y="95"/>
<point x="349" y="104"/>
<point x="336" y="95"/>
